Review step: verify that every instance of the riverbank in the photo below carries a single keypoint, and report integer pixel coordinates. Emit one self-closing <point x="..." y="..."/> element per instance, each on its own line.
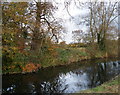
<point x="111" y="86"/>
<point x="56" y="57"/>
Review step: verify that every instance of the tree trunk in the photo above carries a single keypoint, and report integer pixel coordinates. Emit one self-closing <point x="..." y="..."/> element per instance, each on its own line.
<point x="34" y="44"/>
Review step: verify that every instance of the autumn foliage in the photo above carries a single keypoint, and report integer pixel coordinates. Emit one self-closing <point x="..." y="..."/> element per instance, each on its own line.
<point x="30" y="67"/>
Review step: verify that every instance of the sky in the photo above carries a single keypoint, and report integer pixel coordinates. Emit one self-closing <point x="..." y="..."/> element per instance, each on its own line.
<point x="71" y="19"/>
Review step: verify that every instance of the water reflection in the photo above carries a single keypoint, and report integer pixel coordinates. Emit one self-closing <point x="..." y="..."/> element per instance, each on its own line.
<point x="64" y="79"/>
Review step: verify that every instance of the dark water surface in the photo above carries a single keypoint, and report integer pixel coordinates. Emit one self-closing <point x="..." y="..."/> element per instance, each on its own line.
<point x="63" y="79"/>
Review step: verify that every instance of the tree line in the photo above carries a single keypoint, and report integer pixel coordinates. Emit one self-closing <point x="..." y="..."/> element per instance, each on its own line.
<point x="31" y="32"/>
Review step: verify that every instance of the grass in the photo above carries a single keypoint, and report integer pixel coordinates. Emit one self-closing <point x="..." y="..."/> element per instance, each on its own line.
<point x="63" y="56"/>
<point x="53" y="57"/>
<point x="108" y="87"/>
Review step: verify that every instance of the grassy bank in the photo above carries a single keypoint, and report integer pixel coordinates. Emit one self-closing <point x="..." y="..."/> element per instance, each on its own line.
<point x="51" y="57"/>
<point x="66" y="56"/>
<point x="111" y="86"/>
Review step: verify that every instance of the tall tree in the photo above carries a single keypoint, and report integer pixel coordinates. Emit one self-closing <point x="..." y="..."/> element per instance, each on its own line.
<point x="101" y="17"/>
<point x="45" y="24"/>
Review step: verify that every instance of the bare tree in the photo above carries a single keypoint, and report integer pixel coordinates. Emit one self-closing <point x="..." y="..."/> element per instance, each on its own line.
<point x="77" y="36"/>
<point x="101" y="17"/>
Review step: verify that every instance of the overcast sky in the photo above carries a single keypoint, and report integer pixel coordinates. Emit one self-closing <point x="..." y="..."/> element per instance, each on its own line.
<point x="71" y="19"/>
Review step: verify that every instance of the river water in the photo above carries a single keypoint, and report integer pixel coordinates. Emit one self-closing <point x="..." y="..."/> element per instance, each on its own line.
<point x="63" y="79"/>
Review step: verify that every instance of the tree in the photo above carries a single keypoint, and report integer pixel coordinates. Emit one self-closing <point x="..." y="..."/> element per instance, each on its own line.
<point x="27" y="25"/>
<point x="101" y="17"/>
<point x="77" y="36"/>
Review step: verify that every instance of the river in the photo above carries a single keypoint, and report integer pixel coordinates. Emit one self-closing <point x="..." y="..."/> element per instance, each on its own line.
<point x="63" y="79"/>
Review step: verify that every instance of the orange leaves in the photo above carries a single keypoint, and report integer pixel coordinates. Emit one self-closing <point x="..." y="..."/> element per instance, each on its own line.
<point x="21" y="67"/>
<point x="30" y="67"/>
<point x="50" y="49"/>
